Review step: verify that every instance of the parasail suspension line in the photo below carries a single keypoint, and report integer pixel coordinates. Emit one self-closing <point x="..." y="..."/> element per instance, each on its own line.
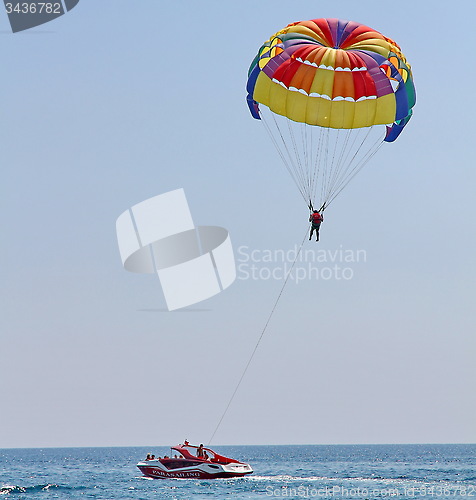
<point x="258" y="342"/>
<point x="355" y="171"/>
<point x="287" y="161"/>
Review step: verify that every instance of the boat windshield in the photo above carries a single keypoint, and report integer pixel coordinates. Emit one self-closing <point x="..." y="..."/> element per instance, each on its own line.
<point x="189" y="451"/>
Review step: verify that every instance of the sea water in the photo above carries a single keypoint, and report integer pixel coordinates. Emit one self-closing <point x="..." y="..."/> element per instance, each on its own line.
<point x="332" y="472"/>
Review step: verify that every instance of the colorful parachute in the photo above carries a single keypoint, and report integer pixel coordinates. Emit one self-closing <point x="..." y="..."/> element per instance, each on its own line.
<point x="333" y="83"/>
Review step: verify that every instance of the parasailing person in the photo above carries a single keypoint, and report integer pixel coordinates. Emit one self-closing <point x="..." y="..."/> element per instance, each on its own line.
<point x="315" y="218"/>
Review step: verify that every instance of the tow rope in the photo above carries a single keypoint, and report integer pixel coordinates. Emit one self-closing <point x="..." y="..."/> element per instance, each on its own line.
<point x="258" y="342"/>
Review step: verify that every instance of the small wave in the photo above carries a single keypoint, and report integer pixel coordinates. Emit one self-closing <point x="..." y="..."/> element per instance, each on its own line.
<point x="7" y="489"/>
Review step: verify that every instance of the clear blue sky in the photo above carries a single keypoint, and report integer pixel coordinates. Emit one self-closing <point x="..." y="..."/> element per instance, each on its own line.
<point x="119" y="101"/>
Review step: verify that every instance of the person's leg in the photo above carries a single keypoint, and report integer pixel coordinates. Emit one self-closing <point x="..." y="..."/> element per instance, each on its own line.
<point x="310" y="235"/>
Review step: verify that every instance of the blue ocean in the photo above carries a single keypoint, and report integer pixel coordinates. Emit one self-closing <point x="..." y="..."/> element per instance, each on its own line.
<point x="338" y="472"/>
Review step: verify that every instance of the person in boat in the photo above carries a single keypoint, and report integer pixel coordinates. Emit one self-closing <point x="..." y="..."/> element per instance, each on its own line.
<point x="315" y="219"/>
<point x="205" y="455"/>
<point x="148" y="456"/>
<point x="200" y="452"/>
<point x="152" y="457"/>
<point x="185" y="443"/>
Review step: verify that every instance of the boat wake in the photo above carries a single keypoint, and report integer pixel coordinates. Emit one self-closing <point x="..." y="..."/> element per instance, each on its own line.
<point x="375" y="480"/>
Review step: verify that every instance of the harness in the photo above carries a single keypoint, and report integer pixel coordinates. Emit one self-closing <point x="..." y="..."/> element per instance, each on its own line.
<point x="316" y="218"/>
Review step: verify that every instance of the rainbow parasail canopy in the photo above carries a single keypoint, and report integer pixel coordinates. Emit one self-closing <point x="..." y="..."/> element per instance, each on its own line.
<point x="333" y="74"/>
